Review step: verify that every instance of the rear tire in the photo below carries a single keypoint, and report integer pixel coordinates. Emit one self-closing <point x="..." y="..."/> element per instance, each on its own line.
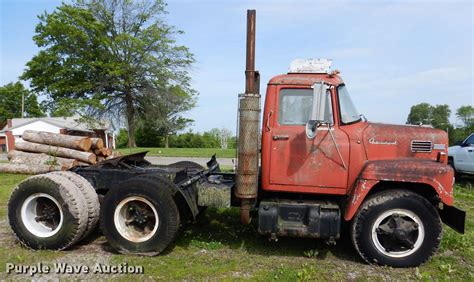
<point x="47" y="212"/>
<point x="90" y="196"/>
<point x="140" y="216"/>
<point x="397" y="228"/>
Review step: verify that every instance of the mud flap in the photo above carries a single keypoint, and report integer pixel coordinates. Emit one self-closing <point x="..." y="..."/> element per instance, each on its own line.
<point x="453" y="217"/>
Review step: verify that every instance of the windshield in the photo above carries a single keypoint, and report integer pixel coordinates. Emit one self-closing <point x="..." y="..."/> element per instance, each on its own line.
<point x="349" y="113"/>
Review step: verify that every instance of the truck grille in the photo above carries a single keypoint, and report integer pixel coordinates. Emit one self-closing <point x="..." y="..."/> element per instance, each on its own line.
<point x="421" y="146"/>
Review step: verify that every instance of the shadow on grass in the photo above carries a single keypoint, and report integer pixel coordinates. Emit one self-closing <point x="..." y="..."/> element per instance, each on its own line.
<point x="215" y="229"/>
<point x="221" y="228"/>
<point x="466" y="181"/>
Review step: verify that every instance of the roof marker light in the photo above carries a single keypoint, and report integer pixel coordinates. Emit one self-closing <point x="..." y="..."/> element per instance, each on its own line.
<point x="310" y="66"/>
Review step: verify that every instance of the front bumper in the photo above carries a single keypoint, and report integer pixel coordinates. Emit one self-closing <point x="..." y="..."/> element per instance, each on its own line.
<point x="453" y="217"/>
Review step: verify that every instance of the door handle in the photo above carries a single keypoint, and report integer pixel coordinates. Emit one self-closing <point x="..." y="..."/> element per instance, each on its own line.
<point x="281" y="137"/>
<point x="470" y="151"/>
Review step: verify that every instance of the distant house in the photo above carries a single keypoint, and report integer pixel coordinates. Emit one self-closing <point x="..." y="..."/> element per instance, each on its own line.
<point x="14" y="129"/>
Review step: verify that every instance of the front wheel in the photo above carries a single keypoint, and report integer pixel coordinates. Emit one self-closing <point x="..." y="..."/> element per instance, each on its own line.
<point x="397" y="228"/>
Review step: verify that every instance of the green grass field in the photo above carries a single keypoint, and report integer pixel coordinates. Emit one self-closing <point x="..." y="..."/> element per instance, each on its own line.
<point x="218" y="247"/>
<point x="183" y="152"/>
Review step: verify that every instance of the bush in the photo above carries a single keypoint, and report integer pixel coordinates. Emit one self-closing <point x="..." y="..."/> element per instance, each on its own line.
<point x="147" y="136"/>
<point x="122" y="138"/>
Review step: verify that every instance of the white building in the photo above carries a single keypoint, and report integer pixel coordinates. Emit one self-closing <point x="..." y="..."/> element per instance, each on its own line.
<point x="14" y="129"/>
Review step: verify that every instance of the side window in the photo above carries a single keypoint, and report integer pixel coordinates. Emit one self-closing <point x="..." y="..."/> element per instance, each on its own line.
<point x="470" y="140"/>
<point x="296" y="104"/>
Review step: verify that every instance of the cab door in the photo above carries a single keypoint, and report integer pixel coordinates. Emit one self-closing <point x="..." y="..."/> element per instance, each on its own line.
<point x="296" y="160"/>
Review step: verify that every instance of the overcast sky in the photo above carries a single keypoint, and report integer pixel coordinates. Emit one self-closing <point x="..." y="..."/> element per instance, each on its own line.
<point x="391" y="55"/>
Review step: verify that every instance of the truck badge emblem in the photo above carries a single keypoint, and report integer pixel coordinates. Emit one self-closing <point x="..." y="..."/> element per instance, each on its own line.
<point x="375" y="142"/>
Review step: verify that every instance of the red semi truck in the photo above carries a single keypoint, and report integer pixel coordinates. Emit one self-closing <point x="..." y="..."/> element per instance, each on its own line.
<point x="322" y="166"/>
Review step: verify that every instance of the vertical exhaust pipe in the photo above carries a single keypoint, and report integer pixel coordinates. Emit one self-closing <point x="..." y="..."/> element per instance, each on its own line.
<point x="249" y="119"/>
<point x="250" y="83"/>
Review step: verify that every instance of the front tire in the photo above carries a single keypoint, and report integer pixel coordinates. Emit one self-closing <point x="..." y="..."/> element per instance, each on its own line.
<point x="140" y="216"/>
<point x="396" y="228"/>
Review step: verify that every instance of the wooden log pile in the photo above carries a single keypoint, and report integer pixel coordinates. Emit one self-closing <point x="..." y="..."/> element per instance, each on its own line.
<point x="42" y="152"/>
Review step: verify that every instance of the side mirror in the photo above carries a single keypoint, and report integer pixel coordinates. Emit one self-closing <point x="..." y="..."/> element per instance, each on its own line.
<point x="318" y="110"/>
<point x="311" y="127"/>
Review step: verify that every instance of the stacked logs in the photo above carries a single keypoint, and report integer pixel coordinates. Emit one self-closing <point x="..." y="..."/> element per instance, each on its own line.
<point x="42" y="152"/>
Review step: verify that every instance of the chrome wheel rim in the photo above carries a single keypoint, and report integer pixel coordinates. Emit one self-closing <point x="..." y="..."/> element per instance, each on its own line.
<point x="136" y="219"/>
<point x="41" y="215"/>
<point x="398" y="233"/>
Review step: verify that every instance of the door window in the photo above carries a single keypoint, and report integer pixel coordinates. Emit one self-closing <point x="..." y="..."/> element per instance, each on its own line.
<point x="470" y="140"/>
<point x="296" y="104"/>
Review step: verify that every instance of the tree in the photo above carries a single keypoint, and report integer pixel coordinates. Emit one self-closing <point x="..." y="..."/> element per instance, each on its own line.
<point x="109" y="58"/>
<point x="420" y="114"/>
<point x="466" y="115"/>
<point x="148" y="136"/>
<point x="162" y="112"/>
<point x="424" y="113"/>
<point x="223" y="136"/>
<point x="440" y="117"/>
<point x="10" y="102"/>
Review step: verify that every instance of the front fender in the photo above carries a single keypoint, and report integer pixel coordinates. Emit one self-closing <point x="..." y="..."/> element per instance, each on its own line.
<point x="437" y="175"/>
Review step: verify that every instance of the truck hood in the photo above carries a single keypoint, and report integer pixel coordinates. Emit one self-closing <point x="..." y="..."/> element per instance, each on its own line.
<point x="388" y="141"/>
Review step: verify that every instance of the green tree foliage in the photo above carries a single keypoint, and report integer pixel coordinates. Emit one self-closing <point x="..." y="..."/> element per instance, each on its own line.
<point x="438" y="117"/>
<point x="466" y="115"/>
<point x="162" y="114"/>
<point x="420" y="114"/>
<point x="122" y="138"/>
<point x="207" y="139"/>
<point x="424" y="113"/>
<point x="10" y="102"/>
<point x="112" y="57"/>
<point x="147" y="137"/>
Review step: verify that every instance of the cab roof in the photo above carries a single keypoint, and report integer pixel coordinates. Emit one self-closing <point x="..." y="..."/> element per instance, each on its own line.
<point x="308" y="79"/>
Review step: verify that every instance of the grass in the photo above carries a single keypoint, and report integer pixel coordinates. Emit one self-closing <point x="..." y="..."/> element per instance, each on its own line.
<point x="183" y="152"/>
<point x="218" y="247"/>
<point x="7" y="183"/>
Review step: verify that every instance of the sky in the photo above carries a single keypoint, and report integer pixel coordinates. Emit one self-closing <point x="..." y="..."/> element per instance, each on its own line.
<point x="391" y="54"/>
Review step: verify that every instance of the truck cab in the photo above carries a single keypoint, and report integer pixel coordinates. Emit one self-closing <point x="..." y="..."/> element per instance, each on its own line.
<point x="345" y="143"/>
<point x="324" y="165"/>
